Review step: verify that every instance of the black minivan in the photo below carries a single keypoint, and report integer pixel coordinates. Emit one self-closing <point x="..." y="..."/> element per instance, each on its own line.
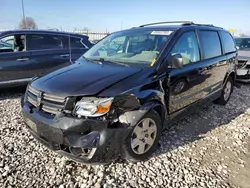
<point x="117" y="98"/>
<point x="27" y="53"/>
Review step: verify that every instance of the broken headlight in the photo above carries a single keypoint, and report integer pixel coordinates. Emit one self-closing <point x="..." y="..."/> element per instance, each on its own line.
<point x="93" y="107"/>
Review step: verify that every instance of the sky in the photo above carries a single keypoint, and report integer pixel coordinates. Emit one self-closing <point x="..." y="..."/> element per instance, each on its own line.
<point x="113" y="15"/>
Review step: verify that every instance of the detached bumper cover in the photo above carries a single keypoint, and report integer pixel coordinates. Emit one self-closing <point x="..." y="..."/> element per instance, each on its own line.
<point x="70" y="136"/>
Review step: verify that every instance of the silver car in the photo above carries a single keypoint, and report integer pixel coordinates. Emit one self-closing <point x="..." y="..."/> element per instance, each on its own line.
<point x="243" y="71"/>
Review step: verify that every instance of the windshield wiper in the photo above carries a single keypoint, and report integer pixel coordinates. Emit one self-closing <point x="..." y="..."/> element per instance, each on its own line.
<point x="100" y="61"/>
<point x="118" y="63"/>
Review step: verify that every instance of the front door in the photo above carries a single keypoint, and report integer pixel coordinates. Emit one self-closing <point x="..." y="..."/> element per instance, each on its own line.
<point x="204" y="69"/>
<point x="15" y="61"/>
<point x="188" y="84"/>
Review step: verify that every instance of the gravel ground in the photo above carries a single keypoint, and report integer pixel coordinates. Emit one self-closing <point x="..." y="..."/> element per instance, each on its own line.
<point x="206" y="149"/>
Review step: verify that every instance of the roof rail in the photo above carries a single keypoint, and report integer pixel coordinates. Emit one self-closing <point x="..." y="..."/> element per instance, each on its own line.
<point x="170" y="22"/>
<point x="211" y="25"/>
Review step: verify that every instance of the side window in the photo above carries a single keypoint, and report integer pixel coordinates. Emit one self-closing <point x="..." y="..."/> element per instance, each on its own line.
<point x="12" y="43"/>
<point x="228" y="42"/>
<point x="210" y="43"/>
<point x="86" y="41"/>
<point x="187" y="46"/>
<point x="7" y="44"/>
<point x="76" y="43"/>
<point x="43" y="41"/>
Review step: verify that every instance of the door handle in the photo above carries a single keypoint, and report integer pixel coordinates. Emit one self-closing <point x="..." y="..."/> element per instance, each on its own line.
<point x="22" y="59"/>
<point x="65" y="55"/>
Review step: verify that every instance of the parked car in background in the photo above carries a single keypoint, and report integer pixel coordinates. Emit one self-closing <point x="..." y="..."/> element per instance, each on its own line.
<point x="243" y="67"/>
<point x="27" y="53"/>
<point x="119" y="96"/>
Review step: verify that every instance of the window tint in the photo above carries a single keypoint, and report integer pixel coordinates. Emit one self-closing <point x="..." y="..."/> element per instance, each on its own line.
<point x="38" y="42"/>
<point x="228" y="42"/>
<point x="210" y="44"/>
<point x="86" y="42"/>
<point x="76" y="43"/>
<point x="187" y="46"/>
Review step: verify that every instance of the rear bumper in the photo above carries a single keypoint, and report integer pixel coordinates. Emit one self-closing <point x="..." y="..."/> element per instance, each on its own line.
<point x="83" y="140"/>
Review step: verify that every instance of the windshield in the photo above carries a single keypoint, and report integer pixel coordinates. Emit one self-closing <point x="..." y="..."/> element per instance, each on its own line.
<point x="243" y="43"/>
<point x="130" y="47"/>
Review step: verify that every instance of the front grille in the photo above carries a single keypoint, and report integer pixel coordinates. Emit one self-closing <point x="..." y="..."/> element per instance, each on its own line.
<point x="46" y="102"/>
<point x="241" y="63"/>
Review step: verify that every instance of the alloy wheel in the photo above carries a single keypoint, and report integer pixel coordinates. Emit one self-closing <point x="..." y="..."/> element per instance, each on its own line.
<point x="227" y="90"/>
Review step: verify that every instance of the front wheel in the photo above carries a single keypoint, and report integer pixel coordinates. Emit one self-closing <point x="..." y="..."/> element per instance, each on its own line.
<point x="226" y="92"/>
<point x="143" y="138"/>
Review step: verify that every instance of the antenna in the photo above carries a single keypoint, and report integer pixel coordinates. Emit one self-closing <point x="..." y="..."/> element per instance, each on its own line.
<point x="70" y="59"/>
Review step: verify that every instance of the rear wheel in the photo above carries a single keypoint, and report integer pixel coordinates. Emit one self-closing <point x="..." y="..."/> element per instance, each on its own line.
<point x="226" y="92"/>
<point x="144" y="137"/>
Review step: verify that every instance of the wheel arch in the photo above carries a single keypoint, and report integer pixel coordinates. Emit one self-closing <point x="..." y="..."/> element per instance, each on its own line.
<point x="132" y="117"/>
<point x="231" y="74"/>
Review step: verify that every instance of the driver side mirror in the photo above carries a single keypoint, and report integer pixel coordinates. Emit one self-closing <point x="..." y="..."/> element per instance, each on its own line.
<point x="175" y="61"/>
<point x="237" y="47"/>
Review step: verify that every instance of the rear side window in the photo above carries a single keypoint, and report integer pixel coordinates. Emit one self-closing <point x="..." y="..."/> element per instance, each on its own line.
<point x="40" y="41"/>
<point x="74" y="42"/>
<point x="210" y="44"/>
<point x="228" y="42"/>
<point x="86" y="42"/>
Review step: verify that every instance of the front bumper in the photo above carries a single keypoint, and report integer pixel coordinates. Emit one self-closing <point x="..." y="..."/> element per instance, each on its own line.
<point x="83" y="140"/>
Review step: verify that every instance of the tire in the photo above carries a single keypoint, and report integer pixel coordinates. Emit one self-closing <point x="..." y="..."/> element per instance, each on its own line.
<point x="228" y="87"/>
<point x="130" y="153"/>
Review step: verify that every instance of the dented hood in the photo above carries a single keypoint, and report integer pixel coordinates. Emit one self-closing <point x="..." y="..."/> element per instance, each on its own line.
<point x="84" y="78"/>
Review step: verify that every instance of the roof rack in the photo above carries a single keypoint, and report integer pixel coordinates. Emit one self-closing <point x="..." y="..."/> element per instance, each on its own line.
<point x="158" y="23"/>
<point x="181" y="22"/>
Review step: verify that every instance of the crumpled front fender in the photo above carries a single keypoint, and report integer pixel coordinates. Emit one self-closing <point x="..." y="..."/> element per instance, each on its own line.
<point x="133" y="117"/>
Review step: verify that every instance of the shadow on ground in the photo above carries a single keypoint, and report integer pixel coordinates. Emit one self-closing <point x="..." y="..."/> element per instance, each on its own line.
<point x="11" y="93"/>
<point x="194" y="126"/>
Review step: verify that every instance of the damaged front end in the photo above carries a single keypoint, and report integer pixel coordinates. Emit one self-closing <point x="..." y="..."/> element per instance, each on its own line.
<point x="85" y="129"/>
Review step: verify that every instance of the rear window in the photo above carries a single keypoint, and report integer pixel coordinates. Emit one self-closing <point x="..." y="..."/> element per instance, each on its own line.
<point x="75" y="42"/>
<point x="228" y="42"/>
<point x="210" y="44"/>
